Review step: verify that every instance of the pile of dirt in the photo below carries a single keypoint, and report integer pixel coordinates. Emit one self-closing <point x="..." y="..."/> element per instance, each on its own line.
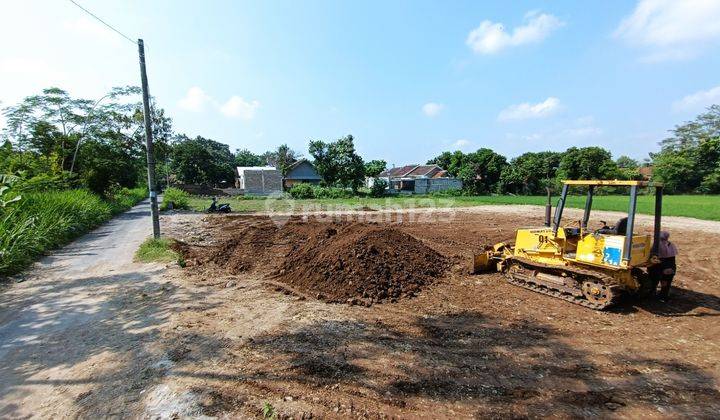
<point x="361" y="263"/>
<point x="244" y="245"/>
<point x="358" y="263"/>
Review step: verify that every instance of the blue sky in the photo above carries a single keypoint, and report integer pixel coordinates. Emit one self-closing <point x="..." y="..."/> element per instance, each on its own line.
<point x="409" y="79"/>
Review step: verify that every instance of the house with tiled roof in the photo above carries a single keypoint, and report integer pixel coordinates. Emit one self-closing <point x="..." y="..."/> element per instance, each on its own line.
<point x="419" y="179"/>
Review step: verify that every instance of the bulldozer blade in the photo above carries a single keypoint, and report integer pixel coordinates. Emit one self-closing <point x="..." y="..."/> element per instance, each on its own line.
<point x="481" y="263"/>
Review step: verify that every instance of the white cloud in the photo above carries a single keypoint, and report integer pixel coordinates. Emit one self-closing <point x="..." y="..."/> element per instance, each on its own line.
<point x="698" y="100"/>
<point x="237" y="107"/>
<point x="432" y="109"/>
<point x="533" y="137"/>
<point x="490" y="37"/>
<point x="581" y="132"/>
<point x="671" y="29"/>
<point x="527" y="110"/>
<point x="195" y="100"/>
<point x="462" y="144"/>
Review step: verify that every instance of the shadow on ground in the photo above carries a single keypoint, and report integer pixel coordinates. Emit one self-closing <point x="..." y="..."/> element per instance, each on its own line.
<point x="496" y="368"/>
<point x="113" y="320"/>
<point x="682" y="302"/>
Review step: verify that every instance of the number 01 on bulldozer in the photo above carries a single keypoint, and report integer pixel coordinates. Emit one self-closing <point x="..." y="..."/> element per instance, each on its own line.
<point x="570" y="261"/>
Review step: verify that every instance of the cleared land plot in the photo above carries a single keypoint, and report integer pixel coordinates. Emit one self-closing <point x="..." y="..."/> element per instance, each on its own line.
<point x="458" y="346"/>
<point x="706" y="207"/>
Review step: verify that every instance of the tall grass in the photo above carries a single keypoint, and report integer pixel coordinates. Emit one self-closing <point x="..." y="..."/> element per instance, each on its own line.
<point x="179" y="199"/>
<point x="41" y="221"/>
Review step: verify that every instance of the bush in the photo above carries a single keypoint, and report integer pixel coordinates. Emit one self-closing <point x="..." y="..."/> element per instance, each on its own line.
<point x="332" y="192"/>
<point x="123" y="198"/>
<point x="47" y="182"/>
<point x="305" y="191"/>
<point x="302" y="191"/>
<point x="179" y="198"/>
<point x="378" y="188"/>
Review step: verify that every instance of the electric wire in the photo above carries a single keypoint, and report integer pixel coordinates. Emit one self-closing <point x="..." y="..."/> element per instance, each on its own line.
<point x="103" y="22"/>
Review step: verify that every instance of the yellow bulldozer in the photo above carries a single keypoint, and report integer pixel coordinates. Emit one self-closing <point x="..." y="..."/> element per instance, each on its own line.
<point x="589" y="267"/>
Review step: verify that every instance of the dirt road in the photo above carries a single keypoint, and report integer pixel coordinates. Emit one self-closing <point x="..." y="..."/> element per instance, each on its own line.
<point x="89" y="333"/>
<point x="80" y="320"/>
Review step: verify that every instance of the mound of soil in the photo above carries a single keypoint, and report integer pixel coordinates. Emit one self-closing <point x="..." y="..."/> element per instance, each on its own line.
<point x="241" y="250"/>
<point x="361" y="263"/>
<point x="352" y="262"/>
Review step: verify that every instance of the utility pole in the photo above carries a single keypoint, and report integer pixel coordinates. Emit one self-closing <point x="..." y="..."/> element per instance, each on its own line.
<point x="149" y="142"/>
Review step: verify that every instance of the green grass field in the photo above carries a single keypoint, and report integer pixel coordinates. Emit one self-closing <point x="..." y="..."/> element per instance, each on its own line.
<point x="698" y="206"/>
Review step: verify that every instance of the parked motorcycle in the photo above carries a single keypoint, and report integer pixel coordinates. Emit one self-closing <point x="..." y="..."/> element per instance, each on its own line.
<point x="218" y="208"/>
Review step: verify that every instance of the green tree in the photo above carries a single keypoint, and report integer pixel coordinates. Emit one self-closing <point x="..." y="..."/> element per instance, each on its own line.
<point x="587" y="163"/>
<point x="245" y="157"/>
<point x="711" y="182"/>
<point x="338" y="163"/>
<point x="374" y="167"/>
<point x="50" y="131"/>
<point x="104" y="165"/>
<point x="202" y="161"/>
<point x="53" y="106"/>
<point x="480" y="171"/>
<point x="625" y="162"/>
<point x="530" y="173"/>
<point x="44" y="138"/>
<point x="689" y="158"/>
<point x="282" y="158"/>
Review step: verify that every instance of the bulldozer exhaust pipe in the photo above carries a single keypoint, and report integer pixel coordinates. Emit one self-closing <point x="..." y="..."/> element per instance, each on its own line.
<point x="548" y="207"/>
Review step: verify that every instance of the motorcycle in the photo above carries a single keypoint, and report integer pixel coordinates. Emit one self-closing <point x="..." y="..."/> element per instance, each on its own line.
<point x="218" y="208"/>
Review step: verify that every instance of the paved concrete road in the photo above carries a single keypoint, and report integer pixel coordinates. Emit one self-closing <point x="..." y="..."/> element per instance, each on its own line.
<point x="73" y="316"/>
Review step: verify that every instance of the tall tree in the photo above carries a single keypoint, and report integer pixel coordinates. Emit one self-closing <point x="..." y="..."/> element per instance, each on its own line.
<point x="59" y="128"/>
<point x="282" y="158"/>
<point x="625" y="162"/>
<point x="587" y="163"/>
<point x="689" y="160"/>
<point x="480" y="171"/>
<point x="338" y="163"/>
<point x="374" y="167"/>
<point x="202" y="161"/>
<point x="450" y="161"/>
<point x="245" y="157"/>
<point x="530" y="173"/>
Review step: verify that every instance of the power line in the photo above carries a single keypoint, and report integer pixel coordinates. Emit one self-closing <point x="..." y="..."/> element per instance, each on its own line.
<point x="103" y="22"/>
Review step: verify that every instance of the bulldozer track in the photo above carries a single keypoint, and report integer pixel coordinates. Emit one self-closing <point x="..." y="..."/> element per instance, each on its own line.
<point x="520" y="279"/>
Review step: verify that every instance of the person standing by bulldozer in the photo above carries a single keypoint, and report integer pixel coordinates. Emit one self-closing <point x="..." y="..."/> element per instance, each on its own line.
<point x="664" y="272"/>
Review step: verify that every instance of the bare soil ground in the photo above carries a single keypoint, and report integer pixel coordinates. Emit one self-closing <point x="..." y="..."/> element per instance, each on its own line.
<point x="232" y="332"/>
<point x="461" y="346"/>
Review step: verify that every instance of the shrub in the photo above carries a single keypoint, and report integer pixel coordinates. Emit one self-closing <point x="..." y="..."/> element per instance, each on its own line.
<point x="332" y="192"/>
<point x="123" y="198"/>
<point x="179" y="198"/>
<point x="302" y="191"/>
<point x="378" y="188"/>
<point x="47" y="182"/>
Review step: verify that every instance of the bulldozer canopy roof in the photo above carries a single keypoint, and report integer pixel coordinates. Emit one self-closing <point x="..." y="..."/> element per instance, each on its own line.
<point x="614" y="182"/>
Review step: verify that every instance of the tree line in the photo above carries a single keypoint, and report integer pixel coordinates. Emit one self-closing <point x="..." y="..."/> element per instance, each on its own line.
<point x="61" y="141"/>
